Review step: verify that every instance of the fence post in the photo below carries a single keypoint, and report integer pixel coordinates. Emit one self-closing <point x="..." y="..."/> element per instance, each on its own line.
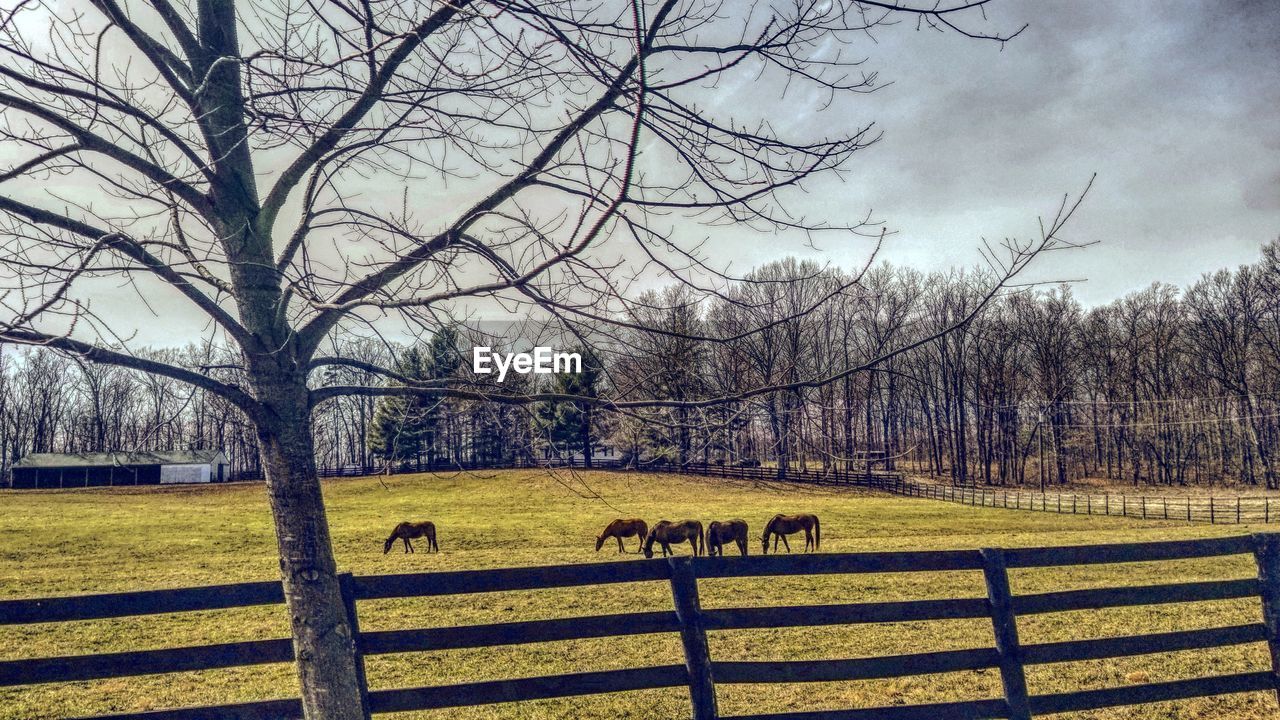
<point x="1266" y="551"/>
<point x="1005" y="625"/>
<point x="347" y="586"/>
<point x="697" y="656"/>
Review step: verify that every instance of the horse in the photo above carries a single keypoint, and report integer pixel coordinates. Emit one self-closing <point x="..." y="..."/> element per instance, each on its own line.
<point x="621" y="528"/>
<point x="719" y="533"/>
<point x="667" y="532"/>
<point x="780" y="526"/>
<point x="407" y="530"/>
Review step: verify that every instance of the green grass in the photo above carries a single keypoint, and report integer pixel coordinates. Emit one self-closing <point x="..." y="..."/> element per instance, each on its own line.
<point x="59" y="543"/>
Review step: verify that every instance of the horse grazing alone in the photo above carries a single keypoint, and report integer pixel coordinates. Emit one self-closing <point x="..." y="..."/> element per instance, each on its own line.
<point x="407" y="530"/>
<point x="667" y="532"/>
<point x="783" y="525"/>
<point x="719" y="533"/>
<point x="623" y="528"/>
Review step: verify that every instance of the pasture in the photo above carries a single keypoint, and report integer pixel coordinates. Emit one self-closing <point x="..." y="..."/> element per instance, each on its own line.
<point x="60" y="543"/>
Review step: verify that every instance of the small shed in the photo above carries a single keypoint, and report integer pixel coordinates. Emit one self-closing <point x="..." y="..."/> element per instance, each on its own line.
<point x="58" y="470"/>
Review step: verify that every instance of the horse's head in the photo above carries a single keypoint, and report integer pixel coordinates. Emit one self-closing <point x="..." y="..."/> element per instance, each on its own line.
<point x="599" y="542"/>
<point x="386" y="546"/>
<point x="648" y="545"/>
<point x="764" y="539"/>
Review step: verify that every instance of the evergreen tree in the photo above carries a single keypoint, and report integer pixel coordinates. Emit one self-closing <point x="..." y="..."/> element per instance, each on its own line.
<point x="439" y="415"/>
<point x="570" y="426"/>
<point x="407" y="427"/>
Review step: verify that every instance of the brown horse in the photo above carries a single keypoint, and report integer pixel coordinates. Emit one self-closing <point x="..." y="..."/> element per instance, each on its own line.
<point x="783" y="525"/>
<point x="620" y="528"/>
<point x="407" y="530"/>
<point x="719" y="533"/>
<point x="667" y="532"/>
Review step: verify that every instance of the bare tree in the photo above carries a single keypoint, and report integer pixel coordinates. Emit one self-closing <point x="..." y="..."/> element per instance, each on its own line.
<point x="283" y="171"/>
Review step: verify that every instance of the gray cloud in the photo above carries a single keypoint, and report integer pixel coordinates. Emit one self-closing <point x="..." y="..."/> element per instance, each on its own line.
<point x="1171" y="104"/>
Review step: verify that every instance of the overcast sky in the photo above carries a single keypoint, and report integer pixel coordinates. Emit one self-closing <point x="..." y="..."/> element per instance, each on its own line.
<point x="1175" y="106"/>
<point x="1172" y="104"/>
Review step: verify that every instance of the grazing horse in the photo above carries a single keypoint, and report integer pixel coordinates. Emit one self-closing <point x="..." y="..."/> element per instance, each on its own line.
<point x="783" y="525"/>
<point x="719" y="533"/>
<point x="667" y="532"/>
<point x="407" y="530"/>
<point x="620" y="528"/>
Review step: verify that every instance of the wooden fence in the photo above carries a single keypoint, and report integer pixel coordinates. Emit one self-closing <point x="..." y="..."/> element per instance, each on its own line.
<point x="1232" y="510"/>
<point x="1208" y="509"/>
<point x="816" y="475"/>
<point x="1212" y="510"/>
<point x="701" y="673"/>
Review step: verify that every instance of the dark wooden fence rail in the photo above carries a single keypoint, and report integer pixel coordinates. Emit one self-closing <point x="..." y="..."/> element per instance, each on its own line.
<point x="831" y="475"/>
<point x="701" y="673"/>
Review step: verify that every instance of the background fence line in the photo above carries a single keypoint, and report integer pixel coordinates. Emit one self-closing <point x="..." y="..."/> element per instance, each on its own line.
<point x="701" y="673"/>
<point x="1231" y="510"/>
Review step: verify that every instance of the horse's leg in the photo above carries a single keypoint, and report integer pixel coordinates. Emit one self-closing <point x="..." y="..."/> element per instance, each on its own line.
<point x="742" y="546"/>
<point x="619" y="539"/>
<point x="693" y="542"/>
<point x="408" y="548"/>
<point x="785" y="544"/>
<point x="808" y="539"/>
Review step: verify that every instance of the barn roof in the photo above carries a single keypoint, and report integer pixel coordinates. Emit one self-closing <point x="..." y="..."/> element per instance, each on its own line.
<point x="109" y="459"/>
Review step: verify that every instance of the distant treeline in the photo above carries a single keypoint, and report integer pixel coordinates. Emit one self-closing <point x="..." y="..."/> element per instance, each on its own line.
<point x="1164" y="386"/>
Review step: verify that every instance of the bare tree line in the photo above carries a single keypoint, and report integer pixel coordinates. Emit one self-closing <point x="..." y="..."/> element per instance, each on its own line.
<point x="1163" y="386"/>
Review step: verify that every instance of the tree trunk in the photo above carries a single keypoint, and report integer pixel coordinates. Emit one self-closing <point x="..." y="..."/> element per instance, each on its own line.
<point x="322" y="641"/>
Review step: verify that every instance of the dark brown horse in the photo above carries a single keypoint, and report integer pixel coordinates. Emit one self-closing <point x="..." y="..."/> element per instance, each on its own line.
<point x="407" y="530"/>
<point x="783" y="525"/>
<point x="719" y="533"/>
<point x="667" y="532"/>
<point x="623" y="528"/>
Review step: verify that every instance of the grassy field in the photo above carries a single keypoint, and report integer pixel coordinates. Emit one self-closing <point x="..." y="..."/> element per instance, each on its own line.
<point x="58" y="543"/>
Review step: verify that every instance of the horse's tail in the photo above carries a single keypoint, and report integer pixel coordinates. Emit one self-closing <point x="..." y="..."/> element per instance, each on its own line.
<point x="702" y="540"/>
<point x="817" y="533"/>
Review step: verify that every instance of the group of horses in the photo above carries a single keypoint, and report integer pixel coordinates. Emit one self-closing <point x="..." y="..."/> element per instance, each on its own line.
<point x="665" y="533"/>
<point x="718" y="534"/>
